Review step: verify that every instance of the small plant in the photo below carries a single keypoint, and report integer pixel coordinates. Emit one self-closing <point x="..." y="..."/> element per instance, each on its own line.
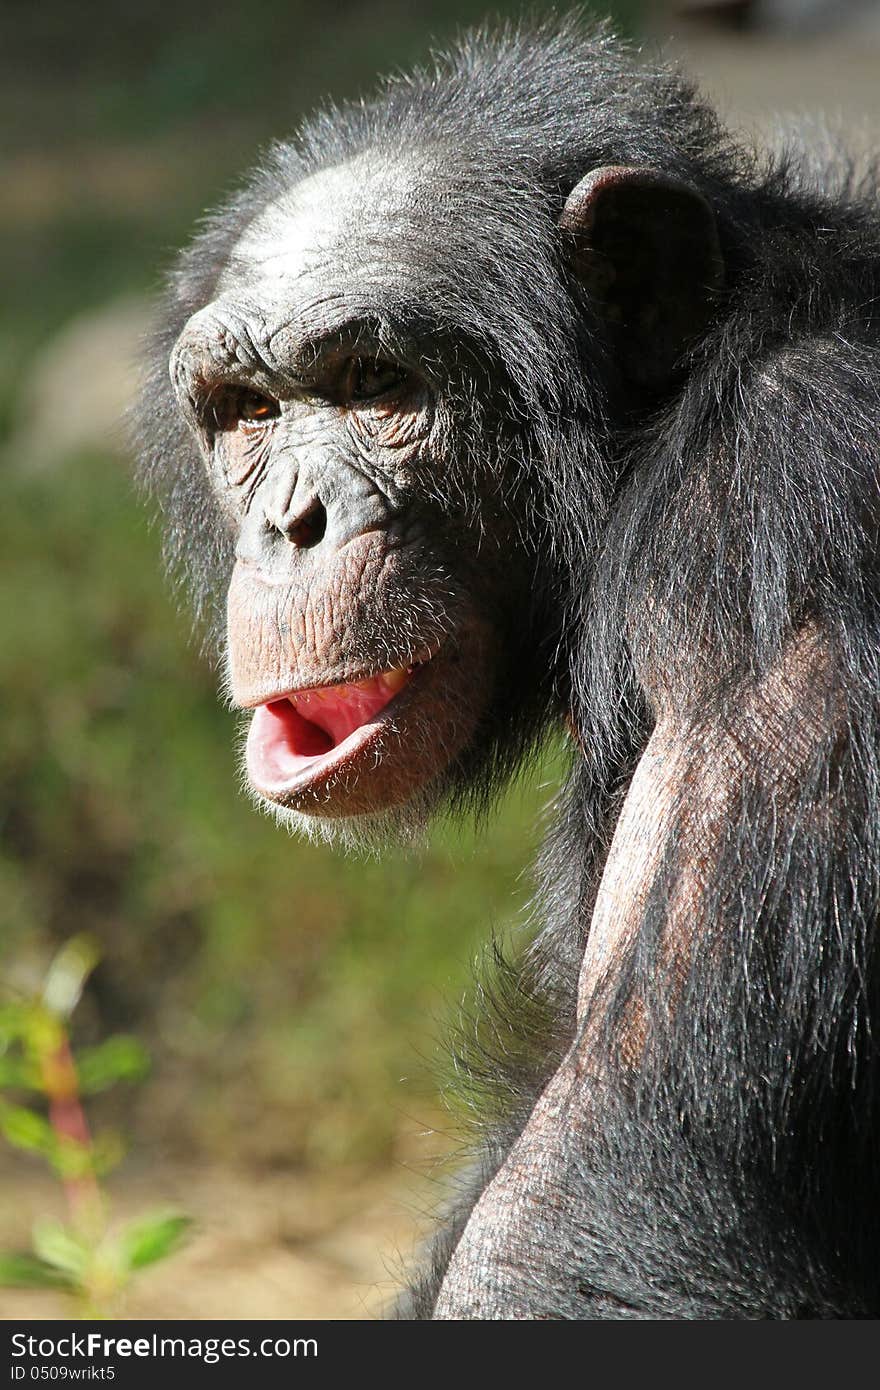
<point x="87" y="1256"/>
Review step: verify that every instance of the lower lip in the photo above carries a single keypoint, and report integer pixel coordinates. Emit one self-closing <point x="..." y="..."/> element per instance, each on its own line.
<point x="277" y="772"/>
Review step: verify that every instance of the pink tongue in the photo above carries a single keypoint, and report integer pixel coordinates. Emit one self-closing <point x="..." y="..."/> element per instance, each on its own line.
<point x="286" y="736"/>
<point x="341" y="710"/>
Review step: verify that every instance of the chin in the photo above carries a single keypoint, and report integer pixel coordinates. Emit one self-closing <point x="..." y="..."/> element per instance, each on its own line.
<point x="371" y="835"/>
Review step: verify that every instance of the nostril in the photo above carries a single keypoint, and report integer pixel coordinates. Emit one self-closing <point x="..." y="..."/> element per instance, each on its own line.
<point x="309" y="527"/>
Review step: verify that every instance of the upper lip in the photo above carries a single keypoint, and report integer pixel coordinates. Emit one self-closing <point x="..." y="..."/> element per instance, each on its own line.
<point x="329" y="681"/>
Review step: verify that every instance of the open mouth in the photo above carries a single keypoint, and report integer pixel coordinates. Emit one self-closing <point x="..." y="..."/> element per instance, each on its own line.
<point x="299" y="741"/>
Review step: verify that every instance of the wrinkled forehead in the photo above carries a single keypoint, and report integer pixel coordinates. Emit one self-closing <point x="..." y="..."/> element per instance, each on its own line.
<point x="340" y="224"/>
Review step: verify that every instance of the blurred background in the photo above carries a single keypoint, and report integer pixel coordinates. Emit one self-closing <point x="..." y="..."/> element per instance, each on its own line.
<point x="292" y="1003"/>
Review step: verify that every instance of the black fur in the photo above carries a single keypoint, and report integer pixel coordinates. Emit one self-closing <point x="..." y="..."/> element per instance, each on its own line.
<point x="733" y="1170"/>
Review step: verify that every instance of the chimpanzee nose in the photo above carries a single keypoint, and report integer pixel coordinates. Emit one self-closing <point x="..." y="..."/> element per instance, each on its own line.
<point x="304" y="526"/>
<point x="308" y="508"/>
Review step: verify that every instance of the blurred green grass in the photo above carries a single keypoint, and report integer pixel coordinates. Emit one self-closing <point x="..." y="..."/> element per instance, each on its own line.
<point x="283" y="990"/>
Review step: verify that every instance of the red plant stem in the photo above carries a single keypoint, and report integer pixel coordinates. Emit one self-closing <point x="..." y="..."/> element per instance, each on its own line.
<point x="68" y="1120"/>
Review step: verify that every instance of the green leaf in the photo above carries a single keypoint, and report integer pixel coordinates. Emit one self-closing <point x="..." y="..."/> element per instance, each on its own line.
<point x="43" y="1035"/>
<point x="26" y="1130"/>
<point x="118" y="1059"/>
<point x="13" y="1023"/>
<point x="146" y="1241"/>
<point x="24" y="1271"/>
<point x="57" y="1246"/>
<point x="19" y="1074"/>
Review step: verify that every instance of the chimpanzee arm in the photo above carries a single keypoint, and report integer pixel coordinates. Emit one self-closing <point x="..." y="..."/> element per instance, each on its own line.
<point x="679" y="1164"/>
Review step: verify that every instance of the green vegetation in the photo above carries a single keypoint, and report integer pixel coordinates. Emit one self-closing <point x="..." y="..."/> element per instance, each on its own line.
<point x="88" y="1256"/>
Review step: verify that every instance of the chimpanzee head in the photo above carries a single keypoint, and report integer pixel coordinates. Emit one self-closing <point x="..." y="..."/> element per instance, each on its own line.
<point x="399" y="355"/>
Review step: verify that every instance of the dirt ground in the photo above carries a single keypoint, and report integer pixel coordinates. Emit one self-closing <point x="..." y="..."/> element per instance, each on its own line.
<point x="263" y="1246"/>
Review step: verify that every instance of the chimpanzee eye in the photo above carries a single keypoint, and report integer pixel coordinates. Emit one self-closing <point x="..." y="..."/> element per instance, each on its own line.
<point x="367" y="378"/>
<point x="254" y="408"/>
<point x="240" y="405"/>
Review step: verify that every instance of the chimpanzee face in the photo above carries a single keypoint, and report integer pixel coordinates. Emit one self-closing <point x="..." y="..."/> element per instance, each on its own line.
<point x="377" y="582"/>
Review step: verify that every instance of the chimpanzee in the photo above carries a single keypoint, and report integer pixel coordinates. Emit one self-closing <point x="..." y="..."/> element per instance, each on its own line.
<point x="523" y="396"/>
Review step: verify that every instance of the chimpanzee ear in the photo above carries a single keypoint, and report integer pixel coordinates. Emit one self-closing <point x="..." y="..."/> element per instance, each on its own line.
<point x="645" y="246"/>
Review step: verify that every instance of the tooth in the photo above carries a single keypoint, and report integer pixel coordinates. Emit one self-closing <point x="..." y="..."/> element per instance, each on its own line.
<point x="394" y="680"/>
